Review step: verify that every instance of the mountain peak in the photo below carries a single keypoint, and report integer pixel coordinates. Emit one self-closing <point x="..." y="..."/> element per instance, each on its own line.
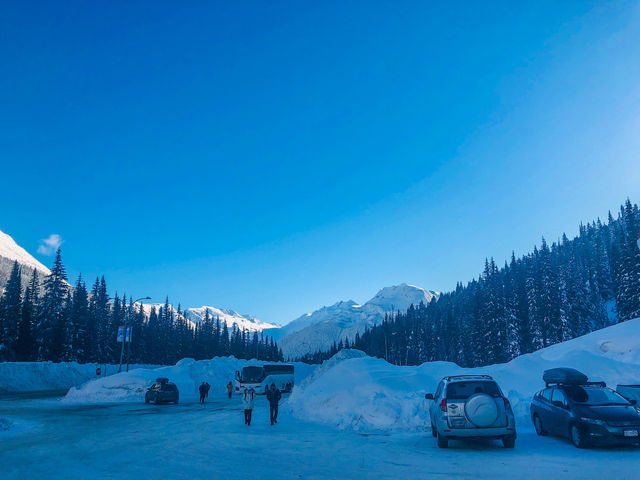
<point x="399" y="297"/>
<point x="11" y="251"/>
<point x="318" y="330"/>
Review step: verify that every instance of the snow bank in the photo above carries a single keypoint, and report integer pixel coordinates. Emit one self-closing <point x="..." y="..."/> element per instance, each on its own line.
<point x="353" y="391"/>
<point x="187" y="374"/>
<point x="37" y="376"/>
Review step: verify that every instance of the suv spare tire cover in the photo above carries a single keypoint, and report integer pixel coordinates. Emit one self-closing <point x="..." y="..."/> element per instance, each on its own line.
<point x="481" y="410"/>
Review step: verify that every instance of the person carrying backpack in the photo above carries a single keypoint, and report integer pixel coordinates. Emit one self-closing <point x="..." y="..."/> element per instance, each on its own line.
<point x="273" y="396"/>
<point x="247" y="402"/>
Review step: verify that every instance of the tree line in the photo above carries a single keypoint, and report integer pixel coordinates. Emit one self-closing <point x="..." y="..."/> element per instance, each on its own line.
<point x="50" y="320"/>
<point x="556" y="293"/>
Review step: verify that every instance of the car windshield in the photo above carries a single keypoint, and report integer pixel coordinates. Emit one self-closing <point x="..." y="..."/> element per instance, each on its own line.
<point x="595" y="396"/>
<point x="630" y="392"/>
<point x="463" y="390"/>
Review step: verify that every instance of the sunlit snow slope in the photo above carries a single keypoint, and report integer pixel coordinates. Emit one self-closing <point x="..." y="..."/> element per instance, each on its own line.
<point x="318" y="330"/>
<point x="10" y="251"/>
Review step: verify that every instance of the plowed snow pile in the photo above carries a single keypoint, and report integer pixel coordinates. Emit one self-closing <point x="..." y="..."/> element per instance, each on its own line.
<point x="187" y="374"/>
<point x="36" y="376"/>
<point x="367" y="394"/>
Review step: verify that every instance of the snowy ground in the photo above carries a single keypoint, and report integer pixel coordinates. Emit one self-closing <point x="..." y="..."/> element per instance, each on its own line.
<point x="54" y="439"/>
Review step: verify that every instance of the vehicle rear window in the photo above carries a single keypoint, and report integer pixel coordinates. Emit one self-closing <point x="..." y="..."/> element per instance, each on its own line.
<point x="170" y="388"/>
<point x="463" y="390"/>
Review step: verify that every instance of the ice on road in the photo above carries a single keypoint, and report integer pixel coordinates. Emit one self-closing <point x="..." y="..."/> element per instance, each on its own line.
<point x="53" y="439"/>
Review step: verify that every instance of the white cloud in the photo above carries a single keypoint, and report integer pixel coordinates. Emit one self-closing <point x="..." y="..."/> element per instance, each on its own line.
<point x="48" y="246"/>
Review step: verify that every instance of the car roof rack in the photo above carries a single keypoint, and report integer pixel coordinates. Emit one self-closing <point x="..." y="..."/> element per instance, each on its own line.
<point x="486" y="377"/>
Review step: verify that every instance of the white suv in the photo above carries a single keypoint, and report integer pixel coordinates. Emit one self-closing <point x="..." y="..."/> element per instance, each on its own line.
<point x="471" y="406"/>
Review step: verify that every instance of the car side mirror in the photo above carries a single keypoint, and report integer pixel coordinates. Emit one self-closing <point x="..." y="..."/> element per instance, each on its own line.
<point x="633" y="401"/>
<point x="558" y="403"/>
<point x="428" y="396"/>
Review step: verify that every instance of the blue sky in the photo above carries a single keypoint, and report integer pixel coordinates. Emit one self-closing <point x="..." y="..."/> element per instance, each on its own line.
<point x="274" y="157"/>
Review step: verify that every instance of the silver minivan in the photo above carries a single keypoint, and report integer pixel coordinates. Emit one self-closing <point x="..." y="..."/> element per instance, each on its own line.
<point x="471" y="406"/>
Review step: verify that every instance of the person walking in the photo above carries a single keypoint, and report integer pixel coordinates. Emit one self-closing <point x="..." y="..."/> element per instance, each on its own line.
<point x="273" y="396"/>
<point x="206" y="390"/>
<point x="229" y="389"/>
<point x="203" y="391"/>
<point x="248" y="400"/>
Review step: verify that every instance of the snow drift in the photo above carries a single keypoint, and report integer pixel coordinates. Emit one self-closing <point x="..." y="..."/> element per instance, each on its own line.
<point x="354" y="391"/>
<point x="38" y="376"/>
<point x="187" y="374"/>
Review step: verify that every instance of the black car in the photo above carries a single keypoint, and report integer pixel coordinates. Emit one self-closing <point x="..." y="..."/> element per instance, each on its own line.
<point x="588" y="413"/>
<point x="163" y="391"/>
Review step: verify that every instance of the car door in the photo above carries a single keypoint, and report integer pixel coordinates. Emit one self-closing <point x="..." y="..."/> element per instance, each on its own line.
<point x="560" y="414"/>
<point x="544" y="407"/>
<point x="436" y="402"/>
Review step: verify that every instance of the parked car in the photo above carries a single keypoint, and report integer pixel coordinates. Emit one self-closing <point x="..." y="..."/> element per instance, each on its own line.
<point x="588" y="413"/>
<point x="631" y="393"/>
<point x="471" y="406"/>
<point x="163" y="391"/>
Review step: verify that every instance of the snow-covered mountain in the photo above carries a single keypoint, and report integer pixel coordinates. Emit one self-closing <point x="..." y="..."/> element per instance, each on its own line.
<point x="318" y="330"/>
<point x="10" y="251"/>
<point x="230" y="317"/>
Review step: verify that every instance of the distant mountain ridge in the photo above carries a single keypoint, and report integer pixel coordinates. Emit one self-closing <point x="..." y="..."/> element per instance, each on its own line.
<point x="230" y="317"/>
<point x="10" y="252"/>
<point x="320" y="329"/>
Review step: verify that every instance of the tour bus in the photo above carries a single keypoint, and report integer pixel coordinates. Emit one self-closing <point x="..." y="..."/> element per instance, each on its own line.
<point x="260" y="377"/>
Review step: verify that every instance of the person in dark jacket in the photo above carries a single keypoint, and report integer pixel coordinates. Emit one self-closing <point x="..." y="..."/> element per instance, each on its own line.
<point x="203" y="391"/>
<point x="206" y="390"/>
<point x="274" y="396"/>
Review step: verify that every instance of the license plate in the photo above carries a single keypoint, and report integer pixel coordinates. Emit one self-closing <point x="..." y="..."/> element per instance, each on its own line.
<point x="630" y="433"/>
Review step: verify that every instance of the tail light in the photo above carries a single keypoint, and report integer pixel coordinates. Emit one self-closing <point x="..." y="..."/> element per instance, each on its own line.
<point x="507" y="404"/>
<point x="443" y="405"/>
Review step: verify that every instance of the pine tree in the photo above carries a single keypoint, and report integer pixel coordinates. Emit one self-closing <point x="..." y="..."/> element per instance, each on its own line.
<point x="50" y="333"/>
<point x="78" y="323"/>
<point x="628" y="294"/>
<point x="10" y="314"/>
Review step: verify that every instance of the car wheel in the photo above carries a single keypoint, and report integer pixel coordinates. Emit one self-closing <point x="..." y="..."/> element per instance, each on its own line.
<point x="537" y="423"/>
<point x="434" y="431"/>
<point x="443" y="442"/>
<point x="146" y="399"/>
<point x="577" y="436"/>
<point x="509" y="441"/>
<point x="177" y="399"/>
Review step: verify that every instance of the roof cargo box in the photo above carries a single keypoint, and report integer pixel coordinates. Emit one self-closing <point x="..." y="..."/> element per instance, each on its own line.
<point x="568" y="376"/>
